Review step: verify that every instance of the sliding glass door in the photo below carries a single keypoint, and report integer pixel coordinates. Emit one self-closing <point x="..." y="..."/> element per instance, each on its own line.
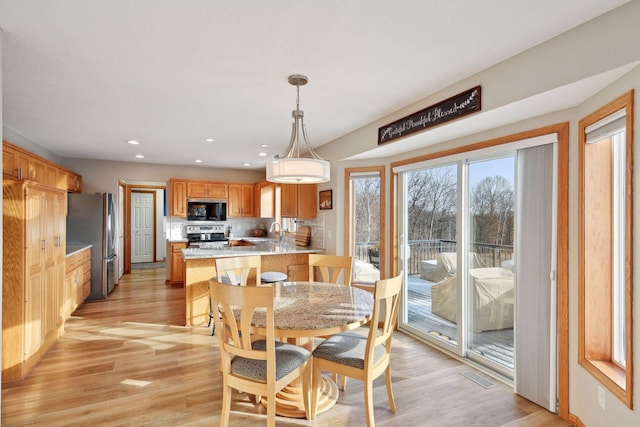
<point x="467" y="224"/>
<point x="490" y="279"/>
<point x="432" y="251"/>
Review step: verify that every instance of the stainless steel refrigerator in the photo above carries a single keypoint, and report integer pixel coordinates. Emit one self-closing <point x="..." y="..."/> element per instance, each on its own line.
<point x="91" y="219"/>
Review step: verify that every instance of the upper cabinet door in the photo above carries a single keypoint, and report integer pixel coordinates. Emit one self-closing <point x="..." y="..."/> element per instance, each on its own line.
<point x="178" y="198"/>
<point x="240" y="200"/>
<point x="298" y="200"/>
<point x="289" y="200"/>
<point x="217" y="190"/>
<point x="196" y="189"/>
<point x="266" y="197"/>
<point x="207" y="190"/>
<point x="307" y="200"/>
<point x="15" y="164"/>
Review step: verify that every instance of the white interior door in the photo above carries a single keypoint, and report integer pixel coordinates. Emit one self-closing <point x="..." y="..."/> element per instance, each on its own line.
<point x="142" y="227"/>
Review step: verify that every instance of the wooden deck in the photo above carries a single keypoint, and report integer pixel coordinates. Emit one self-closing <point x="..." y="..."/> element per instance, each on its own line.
<point x="495" y="345"/>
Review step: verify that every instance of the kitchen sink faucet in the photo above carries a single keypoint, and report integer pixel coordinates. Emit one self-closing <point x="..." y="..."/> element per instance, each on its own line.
<point x="272" y="228"/>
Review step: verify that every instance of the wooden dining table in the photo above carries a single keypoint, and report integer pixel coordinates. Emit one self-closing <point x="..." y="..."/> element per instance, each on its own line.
<point x="304" y="310"/>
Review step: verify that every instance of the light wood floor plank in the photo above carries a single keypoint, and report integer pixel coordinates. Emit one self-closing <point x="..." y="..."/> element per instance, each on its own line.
<point x="124" y="362"/>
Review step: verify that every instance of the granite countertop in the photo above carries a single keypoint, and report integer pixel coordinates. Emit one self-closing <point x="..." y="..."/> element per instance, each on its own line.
<point x="73" y="248"/>
<point x="254" y="239"/>
<point x="303" y="308"/>
<point x="267" y="249"/>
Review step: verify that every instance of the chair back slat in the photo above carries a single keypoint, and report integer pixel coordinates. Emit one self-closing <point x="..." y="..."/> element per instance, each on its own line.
<point x="241" y="270"/>
<point x="384" y="316"/>
<point x="329" y="268"/>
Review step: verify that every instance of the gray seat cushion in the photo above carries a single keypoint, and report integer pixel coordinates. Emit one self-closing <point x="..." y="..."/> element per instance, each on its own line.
<point x="223" y="279"/>
<point x="288" y="358"/>
<point x="346" y="348"/>
<point x="272" y="277"/>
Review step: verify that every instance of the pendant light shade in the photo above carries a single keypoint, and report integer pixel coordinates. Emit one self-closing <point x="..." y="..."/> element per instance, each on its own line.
<point x="290" y="168"/>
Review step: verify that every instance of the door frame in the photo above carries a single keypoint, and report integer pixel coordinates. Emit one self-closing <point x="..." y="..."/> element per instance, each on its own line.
<point x="348" y="219"/>
<point x="562" y="333"/>
<point x="127" y="220"/>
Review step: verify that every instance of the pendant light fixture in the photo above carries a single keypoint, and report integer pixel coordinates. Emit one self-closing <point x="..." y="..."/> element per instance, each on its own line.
<point x="290" y="168"/>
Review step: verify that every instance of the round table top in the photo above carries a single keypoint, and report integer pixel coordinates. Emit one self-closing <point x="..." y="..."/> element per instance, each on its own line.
<point x="311" y="309"/>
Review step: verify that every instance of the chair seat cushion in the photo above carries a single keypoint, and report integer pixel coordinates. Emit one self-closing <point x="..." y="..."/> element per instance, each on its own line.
<point x="288" y="358"/>
<point x="223" y="279"/>
<point x="272" y="277"/>
<point x="346" y="348"/>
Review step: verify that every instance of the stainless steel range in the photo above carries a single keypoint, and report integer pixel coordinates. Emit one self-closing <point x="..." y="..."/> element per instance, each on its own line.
<point x="207" y="236"/>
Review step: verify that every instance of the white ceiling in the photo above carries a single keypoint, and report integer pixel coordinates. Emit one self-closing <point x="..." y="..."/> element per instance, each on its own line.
<point x="80" y="78"/>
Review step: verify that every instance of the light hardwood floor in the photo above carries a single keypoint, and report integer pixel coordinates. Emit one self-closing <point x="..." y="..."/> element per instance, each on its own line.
<point x="122" y="363"/>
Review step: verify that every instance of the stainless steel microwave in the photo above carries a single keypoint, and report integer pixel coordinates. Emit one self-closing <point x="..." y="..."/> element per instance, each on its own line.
<point x="206" y="210"/>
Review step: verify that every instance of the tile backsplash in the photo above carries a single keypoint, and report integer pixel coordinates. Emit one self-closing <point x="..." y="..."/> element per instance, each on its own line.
<point x="241" y="227"/>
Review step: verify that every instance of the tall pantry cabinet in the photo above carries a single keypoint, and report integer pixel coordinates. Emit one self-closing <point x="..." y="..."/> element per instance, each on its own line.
<point x="34" y="221"/>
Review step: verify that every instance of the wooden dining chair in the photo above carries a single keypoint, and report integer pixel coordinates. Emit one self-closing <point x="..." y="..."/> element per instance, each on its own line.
<point x="363" y="357"/>
<point x="240" y="270"/>
<point x="328" y="268"/>
<point x="259" y="367"/>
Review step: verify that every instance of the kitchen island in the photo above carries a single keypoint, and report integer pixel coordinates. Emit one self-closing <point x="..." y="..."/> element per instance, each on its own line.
<point x="199" y="266"/>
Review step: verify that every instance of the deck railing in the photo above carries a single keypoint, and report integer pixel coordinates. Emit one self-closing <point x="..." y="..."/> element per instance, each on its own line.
<point x="490" y="254"/>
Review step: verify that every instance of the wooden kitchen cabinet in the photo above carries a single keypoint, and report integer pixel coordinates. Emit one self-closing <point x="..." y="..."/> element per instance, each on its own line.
<point x="240" y="202"/>
<point x="61" y="179"/>
<point x="11" y="167"/>
<point x="177" y="197"/>
<point x="289" y="200"/>
<point x="50" y="175"/>
<point x="72" y="279"/>
<point x="16" y="163"/>
<point x="74" y="183"/>
<point x="175" y="274"/>
<point x="60" y="252"/>
<point x="298" y="200"/>
<point x="20" y="164"/>
<point x="77" y="280"/>
<point x="85" y="290"/>
<point x="37" y="169"/>
<point x="207" y="190"/>
<point x="33" y="265"/>
<point x="265" y="200"/>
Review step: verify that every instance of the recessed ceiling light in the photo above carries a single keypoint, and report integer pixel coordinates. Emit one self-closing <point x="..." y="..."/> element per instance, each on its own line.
<point x="133" y="142"/>
<point x="262" y="154"/>
<point x="139" y="156"/>
<point x="264" y="145"/>
<point x="198" y="161"/>
<point x="246" y="164"/>
<point x="209" y="139"/>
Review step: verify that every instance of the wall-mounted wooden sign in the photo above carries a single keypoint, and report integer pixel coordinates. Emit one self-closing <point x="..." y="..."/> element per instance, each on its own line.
<point x="449" y="109"/>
